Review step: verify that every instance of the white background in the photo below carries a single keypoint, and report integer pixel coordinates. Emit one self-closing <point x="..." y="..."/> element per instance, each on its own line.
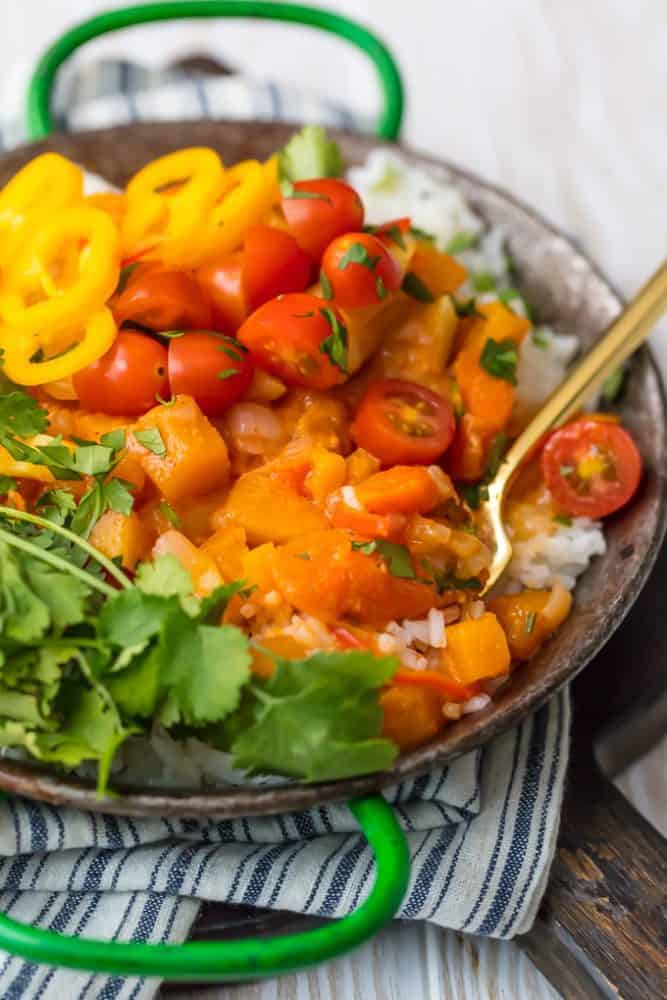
<point x="562" y="101"/>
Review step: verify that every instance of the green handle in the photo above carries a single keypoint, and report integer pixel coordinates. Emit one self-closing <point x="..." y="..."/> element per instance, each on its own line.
<point x="40" y="123"/>
<point x="254" y="957"/>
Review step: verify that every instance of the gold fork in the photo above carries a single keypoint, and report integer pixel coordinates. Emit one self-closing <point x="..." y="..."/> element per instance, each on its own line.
<point x="619" y="341"/>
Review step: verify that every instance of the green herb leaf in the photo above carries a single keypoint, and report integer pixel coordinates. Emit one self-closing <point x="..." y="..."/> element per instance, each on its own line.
<point x="170" y="334"/>
<point x="90" y="509"/>
<point x="307" y="155"/>
<point x="500" y="359"/>
<point x="92" y="459"/>
<point x="529" y="626"/>
<point x="416" y="289"/>
<point x="366" y="547"/>
<point x="613" y="384"/>
<point x="165" y="576"/>
<point x="483" y="281"/>
<point x="317" y="719"/>
<point x="566" y="470"/>
<point x="495" y="456"/>
<point x="462" y="241"/>
<point x="563" y="519"/>
<point x="380" y="288"/>
<point x="397" y="558"/>
<point x="227" y="373"/>
<point x="449" y="581"/>
<point x="125" y="275"/>
<point x="7" y="484"/>
<point x="151" y="439"/>
<point x="325" y="286"/>
<point x="421" y="234"/>
<point x="468" y="308"/>
<point x="118" y="496"/>
<point x="22" y="415"/>
<point x="170" y="513"/>
<point x="335" y="345"/>
<point x="540" y="340"/>
<point x="114" y="439"/>
<point x="473" y="493"/>
<point x="357" y="254"/>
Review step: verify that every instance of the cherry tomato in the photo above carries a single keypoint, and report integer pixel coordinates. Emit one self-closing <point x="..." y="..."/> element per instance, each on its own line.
<point x="591" y="468"/>
<point x="320" y="210"/>
<point x="360" y="270"/>
<point x="127" y="379"/>
<point x="401" y="422"/>
<point x="212" y="368"/>
<point x="300" y="338"/>
<point x="161" y="298"/>
<point x="222" y="284"/>
<point x="273" y="264"/>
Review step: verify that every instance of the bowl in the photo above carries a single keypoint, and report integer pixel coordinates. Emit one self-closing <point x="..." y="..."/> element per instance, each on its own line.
<point x="569" y="293"/>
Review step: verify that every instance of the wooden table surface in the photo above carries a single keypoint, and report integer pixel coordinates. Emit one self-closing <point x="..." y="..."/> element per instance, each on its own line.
<point x="562" y="103"/>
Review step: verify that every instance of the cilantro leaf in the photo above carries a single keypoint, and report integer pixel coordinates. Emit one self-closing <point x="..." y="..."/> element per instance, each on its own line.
<point x="413" y="286"/>
<point x="613" y="384"/>
<point x="421" y="234"/>
<point x="65" y="596"/>
<point x="335" y="345"/>
<point x="22" y="415"/>
<point x="24" y="617"/>
<point x="468" y="308"/>
<point x="124" y="276"/>
<point x="170" y="513"/>
<point x="318" y="719"/>
<point x="462" y="241"/>
<point x="500" y="358"/>
<point x="7" y="484"/>
<point x="307" y="155"/>
<point x="151" y="439"/>
<point x="483" y="281"/>
<point x="397" y="558"/>
<point x="325" y="285"/>
<point x="118" y="496"/>
<point x="89" y="511"/>
<point x="114" y="439"/>
<point x="357" y="254"/>
<point x="165" y="576"/>
<point x="132" y="617"/>
<point x="56" y="505"/>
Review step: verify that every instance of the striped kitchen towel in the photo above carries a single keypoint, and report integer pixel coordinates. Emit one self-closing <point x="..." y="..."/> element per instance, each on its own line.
<point x="482" y="831"/>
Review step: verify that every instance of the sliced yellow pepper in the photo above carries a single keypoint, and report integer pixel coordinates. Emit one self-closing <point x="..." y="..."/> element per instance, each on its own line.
<point x="168" y="199"/>
<point x="114" y="203"/>
<point x="68" y="269"/>
<point x="46" y="185"/>
<point x="88" y="341"/>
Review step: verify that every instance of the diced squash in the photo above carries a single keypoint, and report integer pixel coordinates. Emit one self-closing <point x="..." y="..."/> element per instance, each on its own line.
<point x="365" y="524"/>
<point x="403" y="489"/>
<point x="200" y="565"/>
<point x="264" y="388"/>
<point x="530" y="617"/>
<point x="227" y="546"/>
<point x="284" y="646"/>
<point x="196" y="460"/>
<point x="466" y="458"/>
<point x="130" y="470"/>
<point x="366" y="327"/>
<point x="91" y="426"/>
<point x="122" y="535"/>
<point x="360" y="465"/>
<point x="412" y="715"/>
<point x="476" y="649"/>
<point x="270" y="510"/>
<point x="313" y="574"/>
<point x="441" y="273"/>
<point x="418" y="348"/>
<point x="327" y="473"/>
<point x="195" y="516"/>
<point x="258" y="566"/>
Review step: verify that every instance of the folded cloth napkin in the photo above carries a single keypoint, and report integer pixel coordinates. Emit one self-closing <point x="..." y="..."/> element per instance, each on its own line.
<point x="481" y="832"/>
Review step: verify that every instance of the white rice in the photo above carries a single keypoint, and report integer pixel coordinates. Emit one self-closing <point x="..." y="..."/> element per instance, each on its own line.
<point x="475" y="704"/>
<point x="390" y="189"/>
<point x="564" y="555"/>
<point x="543" y="361"/>
<point x="350" y="498"/>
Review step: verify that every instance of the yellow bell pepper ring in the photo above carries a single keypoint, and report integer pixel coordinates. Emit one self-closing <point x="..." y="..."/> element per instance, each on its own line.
<point x="97" y="333"/>
<point x="69" y="268"/>
<point x="169" y="197"/>
<point x="247" y="198"/>
<point x="114" y="203"/>
<point x="46" y="185"/>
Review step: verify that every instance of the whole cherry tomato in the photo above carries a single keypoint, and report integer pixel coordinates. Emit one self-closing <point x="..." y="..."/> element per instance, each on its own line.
<point x="273" y="264"/>
<point x="403" y="423"/>
<point x="161" y="298"/>
<point x="222" y="283"/>
<point x="360" y="270"/>
<point x="211" y="367"/>
<point x="592" y="468"/>
<point x="127" y="379"/>
<point x="300" y="338"/>
<point x="319" y="210"/>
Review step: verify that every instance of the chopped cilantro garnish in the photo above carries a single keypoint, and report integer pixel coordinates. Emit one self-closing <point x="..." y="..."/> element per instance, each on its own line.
<point x="227" y="373"/>
<point x="415" y="287"/>
<point x="563" y="519"/>
<point x="170" y="513"/>
<point x="114" y="439"/>
<point x="335" y="345"/>
<point x="357" y="254"/>
<point x="612" y="385"/>
<point x="325" y="285"/>
<point x="540" y="339"/>
<point x="500" y="358"/>
<point x="380" y="288"/>
<point x="7" y="484"/>
<point x="468" y="308"/>
<point x="462" y="241"/>
<point x="531" y="618"/>
<point x="421" y="234"/>
<point x="307" y="155"/>
<point x="151" y="439"/>
<point x="483" y="281"/>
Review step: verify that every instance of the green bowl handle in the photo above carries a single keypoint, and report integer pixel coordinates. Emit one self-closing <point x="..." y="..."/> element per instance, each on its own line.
<point x="253" y="957"/>
<point x="40" y="122"/>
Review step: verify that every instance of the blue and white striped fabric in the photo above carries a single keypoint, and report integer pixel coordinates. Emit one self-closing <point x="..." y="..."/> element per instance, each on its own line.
<point x="482" y="831"/>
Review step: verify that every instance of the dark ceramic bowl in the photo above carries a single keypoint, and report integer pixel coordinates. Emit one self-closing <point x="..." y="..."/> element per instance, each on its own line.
<point x="569" y="293"/>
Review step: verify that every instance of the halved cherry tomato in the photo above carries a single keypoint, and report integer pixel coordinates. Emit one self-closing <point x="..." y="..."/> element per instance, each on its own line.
<point x="161" y="298"/>
<point x="212" y="368"/>
<point x="273" y="264"/>
<point x="591" y="468"/>
<point x="360" y="270"/>
<point x="401" y="422"/>
<point x="300" y="338"/>
<point x="320" y="210"/>
<point x="127" y="379"/>
<point x="221" y="281"/>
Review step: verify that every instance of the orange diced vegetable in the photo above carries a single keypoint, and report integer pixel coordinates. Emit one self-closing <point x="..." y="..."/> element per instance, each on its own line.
<point x="360" y="465"/>
<point x="440" y="273"/>
<point x="270" y="510"/>
<point x="403" y="489"/>
<point x="362" y="522"/>
<point x="122" y="535"/>
<point x="130" y="470"/>
<point x="412" y="715"/>
<point x="466" y="458"/>
<point x="437" y="681"/>
<point x="227" y="546"/>
<point x="258" y="567"/>
<point x="327" y="473"/>
<point x="530" y="617"/>
<point x="477" y="649"/>
<point x="200" y="565"/>
<point x="312" y="573"/>
<point x="91" y="426"/>
<point x="196" y="460"/>
<point x="284" y="646"/>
